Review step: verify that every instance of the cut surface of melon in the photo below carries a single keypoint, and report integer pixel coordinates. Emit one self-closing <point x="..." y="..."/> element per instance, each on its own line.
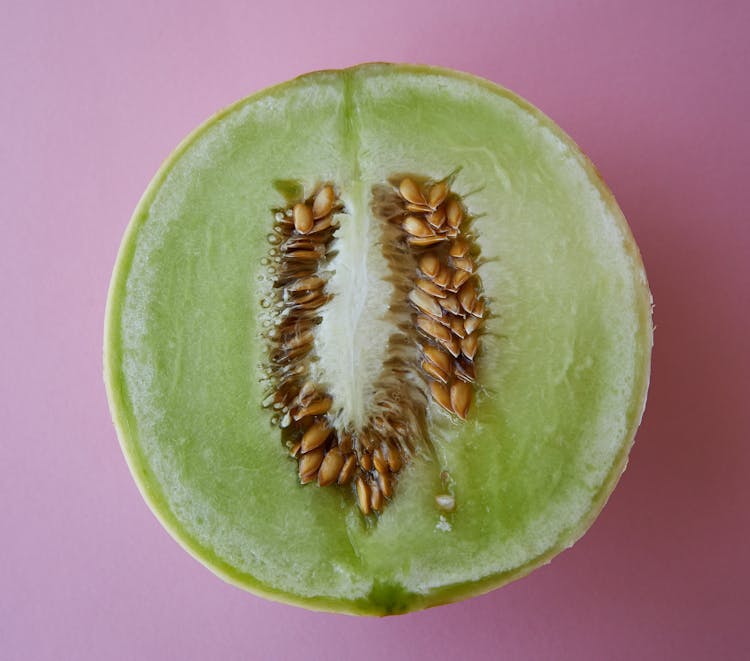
<point x="562" y="373"/>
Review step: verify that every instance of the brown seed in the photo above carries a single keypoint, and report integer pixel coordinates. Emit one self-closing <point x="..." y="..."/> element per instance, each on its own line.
<point x="424" y="302"/>
<point x="294" y="450"/>
<point x="438" y="194"/>
<point x="417" y="227"/>
<point x="458" y="248"/>
<point x="379" y="461"/>
<point x="443" y="277"/>
<point x="431" y="288"/>
<point x="345" y="443"/>
<point x="458" y="279"/>
<point x="461" y="398"/>
<point x="418" y="208"/>
<point x="385" y="485"/>
<point x="308" y="465"/>
<point x="437" y="218"/>
<point x="315" y="436"/>
<point x="429" y="264"/>
<point x="469" y="346"/>
<point x="347" y="470"/>
<point x="410" y="192"/>
<point x="306" y="393"/>
<point x="465" y="372"/>
<point x="363" y="495"/>
<point x="451" y="304"/>
<point x="441" y="395"/>
<point x="457" y="326"/>
<point x="376" y="498"/>
<point x="315" y="408"/>
<point x="433" y="328"/>
<point x="434" y="371"/>
<point x="453" y="345"/>
<point x="463" y="263"/>
<point x="365" y="461"/>
<point x="471" y="324"/>
<point x="304" y="255"/>
<point x="322" y="224"/>
<point x="454" y="213"/>
<point x="425" y="241"/>
<point x="437" y="357"/>
<point x="323" y="203"/>
<point x="306" y="284"/>
<point x="330" y="468"/>
<point x="299" y="340"/>
<point x="478" y="309"/>
<point x="394" y="457"/>
<point x="467" y="296"/>
<point x="303" y="218"/>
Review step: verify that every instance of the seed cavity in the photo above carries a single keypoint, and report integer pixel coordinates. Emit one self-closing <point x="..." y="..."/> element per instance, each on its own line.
<point x="432" y="256"/>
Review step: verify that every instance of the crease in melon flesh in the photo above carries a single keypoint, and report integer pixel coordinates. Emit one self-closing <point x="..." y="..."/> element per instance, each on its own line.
<point x="332" y="396"/>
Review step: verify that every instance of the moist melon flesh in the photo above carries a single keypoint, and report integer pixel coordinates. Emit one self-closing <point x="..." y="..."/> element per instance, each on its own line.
<point x="562" y="369"/>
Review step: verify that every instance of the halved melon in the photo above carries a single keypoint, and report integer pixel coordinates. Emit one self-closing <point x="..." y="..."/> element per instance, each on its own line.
<point x="214" y="383"/>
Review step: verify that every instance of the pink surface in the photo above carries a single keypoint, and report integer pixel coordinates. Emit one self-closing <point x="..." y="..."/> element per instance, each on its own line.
<point x="94" y="97"/>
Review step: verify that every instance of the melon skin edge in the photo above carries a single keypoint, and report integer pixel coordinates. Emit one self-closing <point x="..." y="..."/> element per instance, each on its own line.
<point x="388" y="604"/>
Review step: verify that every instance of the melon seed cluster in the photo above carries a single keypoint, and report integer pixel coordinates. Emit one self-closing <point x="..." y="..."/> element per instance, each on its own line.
<point x="370" y="457"/>
<point x="446" y="293"/>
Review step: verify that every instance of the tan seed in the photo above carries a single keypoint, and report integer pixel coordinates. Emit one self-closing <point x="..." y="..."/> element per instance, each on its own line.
<point x="467" y="296"/>
<point x="330" y="468"/>
<point x="469" y="346"/>
<point x="385" y="485"/>
<point x="458" y="279"/>
<point x="458" y="248"/>
<point x="376" y="498"/>
<point x="434" y="371"/>
<point x="429" y="264"/>
<point x="347" y="470"/>
<point x="308" y="465"/>
<point x="418" y="208"/>
<point x="394" y="457"/>
<point x="425" y="241"/>
<point x="323" y="203"/>
<point x="294" y="450"/>
<point x="437" y="357"/>
<point x="438" y="194"/>
<point x="441" y="395"/>
<point x="451" y="304"/>
<point x="417" y="227"/>
<point x="379" y="461"/>
<point x="425" y="302"/>
<point x="306" y="393"/>
<point x="363" y="495"/>
<point x="454" y="213"/>
<point x="453" y="345"/>
<point x="433" y="328"/>
<point x="463" y="263"/>
<point x="315" y="436"/>
<point x="303" y="218"/>
<point x="304" y="255"/>
<point x="315" y="408"/>
<point x="443" y="277"/>
<point x="437" y="218"/>
<point x="410" y="192"/>
<point x="322" y="224"/>
<point x="471" y="324"/>
<point x="366" y="461"/>
<point x="430" y="288"/>
<point x="478" y="309"/>
<point x="461" y="398"/>
<point x="306" y="284"/>
<point x="457" y="326"/>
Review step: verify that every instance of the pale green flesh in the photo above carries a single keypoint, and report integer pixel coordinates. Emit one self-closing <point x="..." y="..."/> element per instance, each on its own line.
<point x="563" y="368"/>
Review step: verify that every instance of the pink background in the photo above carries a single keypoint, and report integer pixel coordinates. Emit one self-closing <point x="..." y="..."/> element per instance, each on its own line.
<point x="95" y="95"/>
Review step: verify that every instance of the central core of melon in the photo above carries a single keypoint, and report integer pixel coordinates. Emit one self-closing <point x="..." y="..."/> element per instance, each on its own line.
<point x="376" y="313"/>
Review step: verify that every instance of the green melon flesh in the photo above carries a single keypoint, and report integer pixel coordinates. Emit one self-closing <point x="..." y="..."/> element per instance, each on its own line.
<point x="563" y="368"/>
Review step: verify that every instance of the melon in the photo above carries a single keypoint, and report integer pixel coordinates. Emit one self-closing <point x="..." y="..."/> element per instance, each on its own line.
<point x="377" y="339"/>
